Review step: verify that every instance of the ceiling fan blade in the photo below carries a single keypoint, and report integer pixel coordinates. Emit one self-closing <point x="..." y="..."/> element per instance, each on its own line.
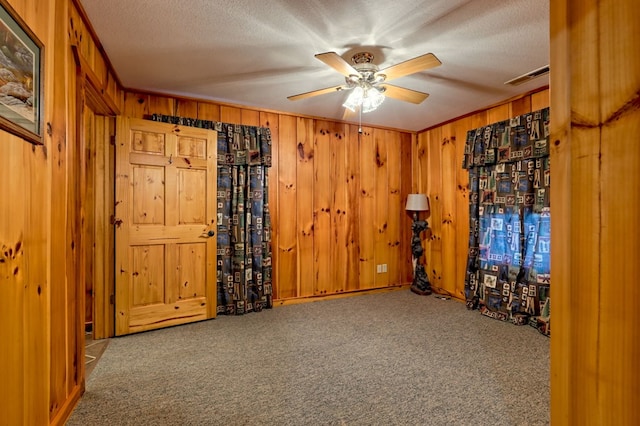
<point x="336" y="62"/>
<point x="315" y="93"/>
<point x="411" y="66"/>
<point x="404" y="94"/>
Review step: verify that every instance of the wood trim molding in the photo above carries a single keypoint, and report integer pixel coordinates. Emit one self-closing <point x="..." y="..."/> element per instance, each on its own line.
<point x="63" y="414"/>
<point x="87" y="23"/>
<point x="94" y="89"/>
<point x="506" y="101"/>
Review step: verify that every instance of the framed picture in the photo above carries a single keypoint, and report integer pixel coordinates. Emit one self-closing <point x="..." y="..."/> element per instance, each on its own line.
<point x="21" y="55"/>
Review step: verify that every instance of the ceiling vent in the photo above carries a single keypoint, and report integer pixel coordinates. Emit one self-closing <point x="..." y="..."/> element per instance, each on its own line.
<point x="528" y="76"/>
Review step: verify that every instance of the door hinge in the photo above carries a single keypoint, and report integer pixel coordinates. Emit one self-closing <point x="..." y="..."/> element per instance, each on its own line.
<point x="112" y="299"/>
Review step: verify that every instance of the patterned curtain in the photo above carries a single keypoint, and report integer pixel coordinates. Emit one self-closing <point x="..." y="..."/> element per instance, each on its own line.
<point x="508" y="267"/>
<point x="244" y="226"/>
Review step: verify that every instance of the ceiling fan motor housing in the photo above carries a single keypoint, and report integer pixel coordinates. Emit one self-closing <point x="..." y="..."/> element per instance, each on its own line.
<point x="368" y="77"/>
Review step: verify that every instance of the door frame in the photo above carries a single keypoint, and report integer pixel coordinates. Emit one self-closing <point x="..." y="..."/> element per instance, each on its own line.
<point x="90" y="93"/>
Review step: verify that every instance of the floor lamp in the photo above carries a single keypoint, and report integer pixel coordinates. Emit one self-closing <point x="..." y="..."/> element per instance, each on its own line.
<point x="417" y="203"/>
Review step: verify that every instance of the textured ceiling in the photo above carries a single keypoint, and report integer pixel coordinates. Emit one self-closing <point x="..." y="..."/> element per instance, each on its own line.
<point x="257" y="52"/>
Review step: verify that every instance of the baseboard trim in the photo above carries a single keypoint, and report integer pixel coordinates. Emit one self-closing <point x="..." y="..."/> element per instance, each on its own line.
<point x="63" y="414"/>
<point x="308" y="299"/>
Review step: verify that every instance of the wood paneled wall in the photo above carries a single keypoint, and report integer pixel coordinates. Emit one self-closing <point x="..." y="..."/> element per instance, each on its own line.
<point x="437" y="171"/>
<point x="337" y="204"/>
<point x="595" y="199"/>
<point x="336" y="196"/>
<point x="43" y="244"/>
<point x="24" y="254"/>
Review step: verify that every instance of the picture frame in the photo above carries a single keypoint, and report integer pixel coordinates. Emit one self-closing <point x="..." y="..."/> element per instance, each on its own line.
<point x="21" y="77"/>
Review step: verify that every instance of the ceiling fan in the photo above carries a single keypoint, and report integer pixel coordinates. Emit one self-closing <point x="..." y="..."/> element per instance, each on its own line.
<point x="368" y="83"/>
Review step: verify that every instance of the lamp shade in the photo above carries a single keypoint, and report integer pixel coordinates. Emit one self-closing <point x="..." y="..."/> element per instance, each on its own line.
<point x="417" y="203"/>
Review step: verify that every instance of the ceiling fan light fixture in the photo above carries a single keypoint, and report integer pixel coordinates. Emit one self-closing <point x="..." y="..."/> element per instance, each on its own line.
<point x="365" y="98"/>
<point x="372" y="100"/>
<point x="354" y="100"/>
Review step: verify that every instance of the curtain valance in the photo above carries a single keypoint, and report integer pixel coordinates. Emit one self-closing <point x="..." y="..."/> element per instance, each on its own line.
<point x="521" y="138"/>
<point x="237" y="144"/>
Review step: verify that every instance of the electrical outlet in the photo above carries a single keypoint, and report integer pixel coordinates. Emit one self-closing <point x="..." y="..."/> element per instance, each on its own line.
<point x="379" y="268"/>
<point x="384" y="267"/>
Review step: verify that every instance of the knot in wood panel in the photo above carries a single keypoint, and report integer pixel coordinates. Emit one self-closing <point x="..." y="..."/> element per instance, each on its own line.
<point x="8" y="258"/>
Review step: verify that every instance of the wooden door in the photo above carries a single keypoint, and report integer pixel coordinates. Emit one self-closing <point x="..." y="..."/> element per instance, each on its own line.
<point x="165" y="218"/>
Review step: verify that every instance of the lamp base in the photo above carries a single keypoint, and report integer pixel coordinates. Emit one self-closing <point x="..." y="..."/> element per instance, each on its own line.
<point x="420" y="283"/>
<point x="421" y="292"/>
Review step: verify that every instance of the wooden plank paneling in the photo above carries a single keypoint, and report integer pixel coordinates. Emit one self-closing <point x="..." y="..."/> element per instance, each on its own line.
<point x="353" y="207"/>
<point x="322" y="196"/>
<point x="32" y="283"/>
<point x="339" y="220"/>
<point x="381" y="202"/>
<point x="61" y="295"/>
<point x="88" y="213"/>
<point x="250" y="117"/>
<point x="620" y="336"/>
<point x="188" y="108"/>
<point x="539" y="100"/>
<point x="461" y="208"/>
<point x="12" y="275"/>
<point x="595" y="116"/>
<point x="449" y="219"/>
<point x="271" y="120"/>
<point x="407" y="142"/>
<point x="287" y="193"/>
<point x="419" y="161"/>
<point x="136" y="104"/>
<point x="78" y="33"/>
<point x="28" y="252"/>
<point x="499" y="113"/>
<point x="620" y="110"/>
<point x="304" y="203"/>
<point x="101" y="235"/>
<point x="208" y="111"/>
<point x="99" y="65"/>
<point x="104" y="235"/>
<point x="434" y="265"/>
<point x="479" y="119"/>
<point x="230" y="114"/>
<point x="367" y="229"/>
<point x="395" y="209"/>
<point x="69" y="374"/>
<point x="161" y="105"/>
<point x="565" y="358"/>
<point x="519" y="106"/>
